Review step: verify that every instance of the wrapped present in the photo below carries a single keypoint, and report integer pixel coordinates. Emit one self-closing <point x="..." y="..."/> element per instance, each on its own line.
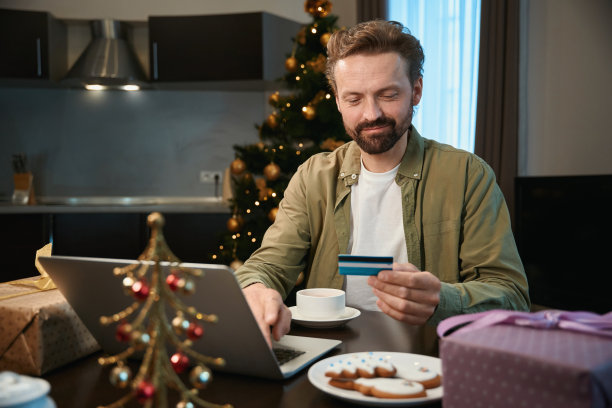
<point x="39" y="331"/>
<point x="517" y="359"/>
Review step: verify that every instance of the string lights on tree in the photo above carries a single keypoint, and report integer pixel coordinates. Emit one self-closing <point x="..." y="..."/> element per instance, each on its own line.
<point x="302" y="120"/>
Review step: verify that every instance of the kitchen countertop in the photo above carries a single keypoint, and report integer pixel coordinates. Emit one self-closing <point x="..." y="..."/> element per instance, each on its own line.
<point x="118" y="205"/>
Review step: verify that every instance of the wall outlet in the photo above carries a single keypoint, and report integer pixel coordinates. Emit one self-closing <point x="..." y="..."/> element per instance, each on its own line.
<point x="210" y="177"/>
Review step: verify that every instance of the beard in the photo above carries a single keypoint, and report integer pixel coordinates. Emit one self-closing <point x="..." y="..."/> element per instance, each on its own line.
<point x="383" y="141"/>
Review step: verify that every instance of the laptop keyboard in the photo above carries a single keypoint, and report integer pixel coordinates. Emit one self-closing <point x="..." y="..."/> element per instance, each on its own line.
<point x="284" y="355"/>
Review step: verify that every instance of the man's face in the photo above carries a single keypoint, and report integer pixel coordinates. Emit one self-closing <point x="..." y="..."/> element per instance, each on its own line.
<point x="375" y="99"/>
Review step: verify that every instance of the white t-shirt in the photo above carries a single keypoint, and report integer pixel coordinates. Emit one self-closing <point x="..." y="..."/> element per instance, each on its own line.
<point x="377" y="229"/>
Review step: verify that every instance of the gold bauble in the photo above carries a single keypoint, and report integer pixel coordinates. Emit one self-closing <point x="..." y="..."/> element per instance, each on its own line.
<point x="235" y="264"/>
<point x="274" y="98"/>
<point x="272" y="121"/>
<point x="260" y="183"/>
<point x="200" y="376"/>
<point x="301" y="36"/>
<point x="235" y="223"/>
<point x="317" y="65"/>
<point x="309" y="112"/>
<point x="318" y="8"/>
<point x="237" y="167"/>
<point x="272" y="171"/>
<point x="325" y="39"/>
<point x="261" y="145"/>
<point x="120" y="376"/>
<point x="291" y="64"/>
<point x="272" y="214"/>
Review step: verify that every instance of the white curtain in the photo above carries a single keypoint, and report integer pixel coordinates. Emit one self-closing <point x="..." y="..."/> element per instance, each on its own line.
<point x="449" y="31"/>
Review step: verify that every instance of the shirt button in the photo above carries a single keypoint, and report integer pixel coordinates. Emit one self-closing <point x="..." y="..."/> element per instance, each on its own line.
<point x="341" y="174"/>
<point x="353" y="176"/>
<point x="415" y="175"/>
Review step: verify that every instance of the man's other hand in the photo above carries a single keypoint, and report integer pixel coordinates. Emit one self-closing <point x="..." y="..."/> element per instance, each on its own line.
<point x="406" y="293"/>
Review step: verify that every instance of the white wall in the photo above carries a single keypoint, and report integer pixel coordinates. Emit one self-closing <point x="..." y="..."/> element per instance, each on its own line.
<point x="566" y="76"/>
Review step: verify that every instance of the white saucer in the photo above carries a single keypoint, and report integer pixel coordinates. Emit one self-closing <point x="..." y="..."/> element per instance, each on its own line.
<point x="349" y="314"/>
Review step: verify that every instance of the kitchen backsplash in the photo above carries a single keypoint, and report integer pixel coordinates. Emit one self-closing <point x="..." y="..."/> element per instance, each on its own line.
<point x="147" y="143"/>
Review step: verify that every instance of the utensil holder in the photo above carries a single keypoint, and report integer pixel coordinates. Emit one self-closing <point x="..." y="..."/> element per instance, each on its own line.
<point x="24" y="189"/>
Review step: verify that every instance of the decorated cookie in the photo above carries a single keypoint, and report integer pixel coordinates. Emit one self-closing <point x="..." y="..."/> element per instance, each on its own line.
<point x="382" y="387"/>
<point x="364" y="365"/>
<point x="421" y="374"/>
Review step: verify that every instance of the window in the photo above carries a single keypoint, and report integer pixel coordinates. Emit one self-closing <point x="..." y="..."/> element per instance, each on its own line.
<point x="449" y="31"/>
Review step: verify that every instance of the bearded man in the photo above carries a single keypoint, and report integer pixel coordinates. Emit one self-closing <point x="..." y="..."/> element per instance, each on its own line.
<point x="390" y="192"/>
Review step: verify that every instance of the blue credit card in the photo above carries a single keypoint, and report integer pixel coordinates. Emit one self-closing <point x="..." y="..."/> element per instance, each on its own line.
<point x="363" y="265"/>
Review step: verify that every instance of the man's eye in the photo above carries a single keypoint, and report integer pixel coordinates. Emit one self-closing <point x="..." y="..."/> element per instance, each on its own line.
<point x="390" y="95"/>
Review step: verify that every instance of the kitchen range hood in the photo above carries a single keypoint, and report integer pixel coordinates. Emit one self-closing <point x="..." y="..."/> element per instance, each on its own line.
<point x="108" y="62"/>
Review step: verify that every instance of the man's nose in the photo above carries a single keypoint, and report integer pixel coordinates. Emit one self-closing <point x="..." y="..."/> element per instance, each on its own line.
<point x="371" y="110"/>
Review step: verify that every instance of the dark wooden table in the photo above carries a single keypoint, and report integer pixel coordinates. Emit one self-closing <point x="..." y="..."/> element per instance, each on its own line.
<point x="85" y="384"/>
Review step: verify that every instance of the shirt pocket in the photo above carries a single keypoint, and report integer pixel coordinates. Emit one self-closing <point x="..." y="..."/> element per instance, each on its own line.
<point x="441" y="249"/>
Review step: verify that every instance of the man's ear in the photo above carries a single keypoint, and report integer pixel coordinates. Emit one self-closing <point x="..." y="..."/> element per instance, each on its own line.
<point x="417" y="91"/>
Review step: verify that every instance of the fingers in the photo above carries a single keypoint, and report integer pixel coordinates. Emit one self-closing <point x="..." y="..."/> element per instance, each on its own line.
<point x="277" y="316"/>
<point x="283" y="325"/>
<point x="406" y="294"/>
<point x="271" y="314"/>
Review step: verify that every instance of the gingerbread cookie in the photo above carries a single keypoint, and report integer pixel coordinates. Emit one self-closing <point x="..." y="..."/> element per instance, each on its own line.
<point x="361" y="366"/>
<point x="421" y="374"/>
<point x="383" y="387"/>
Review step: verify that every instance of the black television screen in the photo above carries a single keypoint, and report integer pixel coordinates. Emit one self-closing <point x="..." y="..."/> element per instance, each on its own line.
<point x="563" y="230"/>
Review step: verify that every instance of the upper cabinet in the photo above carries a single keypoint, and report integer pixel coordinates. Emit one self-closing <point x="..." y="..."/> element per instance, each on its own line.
<point x="33" y="45"/>
<point x="231" y="47"/>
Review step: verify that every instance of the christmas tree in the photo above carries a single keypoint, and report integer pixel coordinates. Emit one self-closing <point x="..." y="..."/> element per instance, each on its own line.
<point x="304" y="121"/>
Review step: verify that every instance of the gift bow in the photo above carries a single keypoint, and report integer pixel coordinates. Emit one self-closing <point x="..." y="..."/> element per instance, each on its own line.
<point x="43" y="282"/>
<point x="585" y="322"/>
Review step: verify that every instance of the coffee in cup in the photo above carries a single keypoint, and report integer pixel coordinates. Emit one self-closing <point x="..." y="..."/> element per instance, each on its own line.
<point x="320" y="303"/>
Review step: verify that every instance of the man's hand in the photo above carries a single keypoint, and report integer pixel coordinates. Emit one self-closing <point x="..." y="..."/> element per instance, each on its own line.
<point x="273" y="317"/>
<point x="406" y="294"/>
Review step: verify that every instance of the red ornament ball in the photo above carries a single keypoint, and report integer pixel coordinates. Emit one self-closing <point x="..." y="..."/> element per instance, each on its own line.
<point x="195" y="331"/>
<point x="172" y="281"/>
<point x="140" y="289"/>
<point x="124" y="332"/>
<point x="179" y="362"/>
<point x="145" y="391"/>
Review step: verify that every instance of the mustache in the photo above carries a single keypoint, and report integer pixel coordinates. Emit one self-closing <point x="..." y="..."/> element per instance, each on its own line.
<point x="382" y="121"/>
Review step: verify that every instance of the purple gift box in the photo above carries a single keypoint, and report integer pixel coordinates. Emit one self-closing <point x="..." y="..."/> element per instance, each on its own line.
<point x="518" y="359"/>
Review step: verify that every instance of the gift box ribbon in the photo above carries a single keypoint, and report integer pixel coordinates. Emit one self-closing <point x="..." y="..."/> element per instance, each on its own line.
<point x="584" y="322"/>
<point x="42" y="283"/>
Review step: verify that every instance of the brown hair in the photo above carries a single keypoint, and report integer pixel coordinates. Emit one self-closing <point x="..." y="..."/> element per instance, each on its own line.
<point x="375" y="37"/>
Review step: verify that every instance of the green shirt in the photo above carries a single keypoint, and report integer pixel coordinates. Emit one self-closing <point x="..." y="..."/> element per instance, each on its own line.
<point x="455" y="221"/>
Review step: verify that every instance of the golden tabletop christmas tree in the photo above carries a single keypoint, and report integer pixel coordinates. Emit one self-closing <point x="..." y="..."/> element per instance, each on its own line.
<point x="145" y="327"/>
<point x="302" y="120"/>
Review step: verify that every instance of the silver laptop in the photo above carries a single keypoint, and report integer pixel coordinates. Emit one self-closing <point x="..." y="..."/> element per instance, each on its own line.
<point x="93" y="291"/>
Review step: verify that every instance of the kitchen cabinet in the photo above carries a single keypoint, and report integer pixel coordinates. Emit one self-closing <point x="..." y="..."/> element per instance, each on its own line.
<point x="33" y="45"/>
<point x="193" y="237"/>
<point x="111" y="235"/>
<point x="232" y="47"/>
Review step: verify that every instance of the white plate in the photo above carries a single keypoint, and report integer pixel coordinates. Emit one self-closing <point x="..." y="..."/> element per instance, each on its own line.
<point x="349" y="314"/>
<point x="316" y="375"/>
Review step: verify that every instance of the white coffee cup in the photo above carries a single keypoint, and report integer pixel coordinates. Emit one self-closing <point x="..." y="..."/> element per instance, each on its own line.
<point x="320" y="303"/>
